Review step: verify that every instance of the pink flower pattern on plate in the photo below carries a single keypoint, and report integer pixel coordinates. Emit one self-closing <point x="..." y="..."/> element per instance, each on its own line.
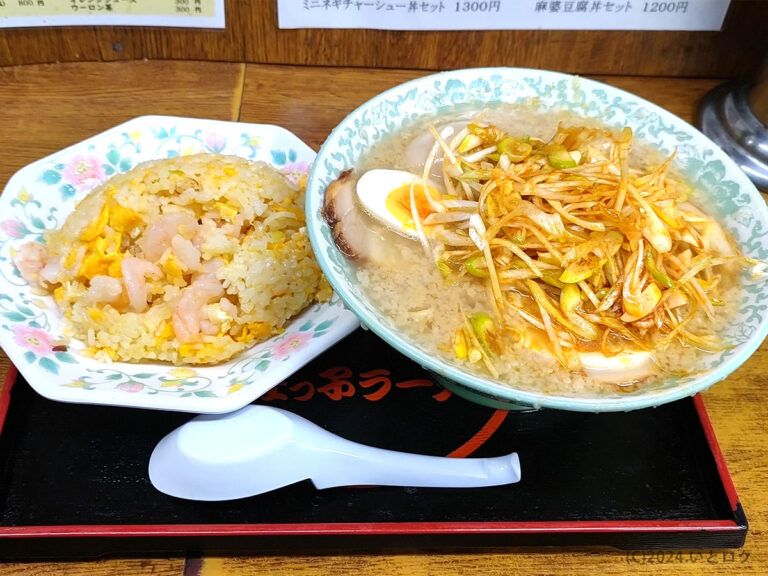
<point x="294" y="171"/>
<point x="13" y="228"/>
<point x="131" y="387"/>
<point x="34" y="339"/>
<point x="215" y="142"/>
<point x="292" y="343"/>
<point x="84" y="172"/>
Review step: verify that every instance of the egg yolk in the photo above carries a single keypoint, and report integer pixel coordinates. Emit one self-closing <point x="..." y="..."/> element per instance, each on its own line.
<point x="398" y="203"/>
<point x="103" y="253"/>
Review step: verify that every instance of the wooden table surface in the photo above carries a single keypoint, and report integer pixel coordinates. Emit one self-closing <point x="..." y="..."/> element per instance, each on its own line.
<point x="48" y="107"/>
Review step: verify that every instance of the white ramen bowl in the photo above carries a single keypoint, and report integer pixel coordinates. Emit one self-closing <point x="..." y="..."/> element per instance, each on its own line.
<point x="722" y="189"/>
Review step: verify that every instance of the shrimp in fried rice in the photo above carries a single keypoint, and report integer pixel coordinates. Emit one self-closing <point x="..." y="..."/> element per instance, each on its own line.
<point x="185" y="260"/>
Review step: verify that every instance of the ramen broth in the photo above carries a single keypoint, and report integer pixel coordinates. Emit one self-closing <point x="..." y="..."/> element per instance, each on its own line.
<point x="413" y="297"/>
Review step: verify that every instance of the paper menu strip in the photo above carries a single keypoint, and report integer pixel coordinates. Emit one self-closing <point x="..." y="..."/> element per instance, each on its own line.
<point x="170" y="13"/>
<point x="503" y="14"/>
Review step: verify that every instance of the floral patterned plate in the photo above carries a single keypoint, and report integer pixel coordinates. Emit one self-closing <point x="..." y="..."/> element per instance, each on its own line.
<point x="41" y="195"/>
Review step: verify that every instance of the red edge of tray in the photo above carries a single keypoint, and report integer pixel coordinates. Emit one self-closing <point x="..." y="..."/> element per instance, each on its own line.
<point x="390" y="528"/>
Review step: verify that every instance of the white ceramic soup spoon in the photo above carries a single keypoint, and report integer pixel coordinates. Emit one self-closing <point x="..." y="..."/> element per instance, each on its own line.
<point x="260" y="448"/>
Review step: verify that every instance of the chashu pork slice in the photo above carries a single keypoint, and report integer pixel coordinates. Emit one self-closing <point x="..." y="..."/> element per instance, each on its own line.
<point x="345" y="219"/>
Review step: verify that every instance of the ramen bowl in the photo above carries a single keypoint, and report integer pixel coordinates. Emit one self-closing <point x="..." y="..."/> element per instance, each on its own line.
<point x="721" y="189"/>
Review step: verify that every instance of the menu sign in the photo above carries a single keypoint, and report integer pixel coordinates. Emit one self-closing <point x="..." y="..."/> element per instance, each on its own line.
<point x="503" y="14"/>
<point x="174" y="13"/>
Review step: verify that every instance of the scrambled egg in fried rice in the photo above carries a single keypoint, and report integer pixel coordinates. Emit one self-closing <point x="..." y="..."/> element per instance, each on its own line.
<point x="185" y="260"/>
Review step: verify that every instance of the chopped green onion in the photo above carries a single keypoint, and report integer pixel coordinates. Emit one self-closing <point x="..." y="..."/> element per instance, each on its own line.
<point x="476" y="266"/>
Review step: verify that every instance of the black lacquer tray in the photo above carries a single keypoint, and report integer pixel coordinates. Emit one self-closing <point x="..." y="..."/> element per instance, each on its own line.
<point x="74" y="477"/>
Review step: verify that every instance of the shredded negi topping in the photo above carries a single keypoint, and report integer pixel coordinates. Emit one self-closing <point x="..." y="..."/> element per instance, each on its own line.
<point x="593" y="254"/>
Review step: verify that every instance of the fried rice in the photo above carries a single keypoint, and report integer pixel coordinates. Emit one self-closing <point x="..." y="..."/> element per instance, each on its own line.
<point x="185" y="260"/>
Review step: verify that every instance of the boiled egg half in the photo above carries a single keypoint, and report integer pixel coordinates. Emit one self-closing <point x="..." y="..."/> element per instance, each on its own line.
<point x="386" y="195"/>
<point x="624" y="367"/>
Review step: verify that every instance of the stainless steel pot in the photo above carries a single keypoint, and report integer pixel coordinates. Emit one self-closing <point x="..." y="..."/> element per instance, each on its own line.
<point x="735" y="116"/>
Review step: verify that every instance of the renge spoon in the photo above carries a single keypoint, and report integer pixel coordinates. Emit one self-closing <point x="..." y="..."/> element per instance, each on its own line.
<point x="260" y="448"/>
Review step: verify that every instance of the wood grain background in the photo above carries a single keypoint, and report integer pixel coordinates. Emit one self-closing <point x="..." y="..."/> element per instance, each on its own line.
<point x="252" y="36"/>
